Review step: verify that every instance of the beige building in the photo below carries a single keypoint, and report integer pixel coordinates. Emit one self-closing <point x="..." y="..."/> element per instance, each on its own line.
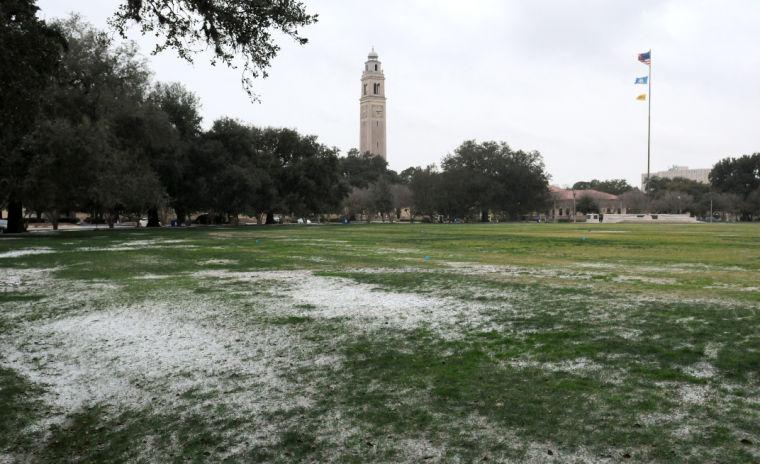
<point x="699" y="175"/>
<point x="564" y="202"/>
<point x="372" y="108"/>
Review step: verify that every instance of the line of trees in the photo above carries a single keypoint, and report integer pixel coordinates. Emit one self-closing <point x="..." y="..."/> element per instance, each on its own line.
<point x="107" y="141"/>
<point x="479" y="180"/>
<point x="83" y="129"/>
<point x="733" y="192"/>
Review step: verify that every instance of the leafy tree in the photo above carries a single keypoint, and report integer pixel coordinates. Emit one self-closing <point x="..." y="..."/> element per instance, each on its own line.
<point x="752" y="203"/>
<point x="673" y="202"/>
<point x="585" y="204"/>
<point x="235" y="174"/>
<point x="99" y="80"/>
<point x="234" y="30"/>
<point x="382" y="199"/>
<point x="613" y="186"/>
<point x="405" y="176"/>
<point x="635" y="201"/>
<point x="492" y="176"/>
<point x="124" y="185"/>
<point x="100" y="92"/>
<point x="62" y="168"/>
<point x="307" y="175"/>
<point x="183" y="110"/>
<point x="722" y="204"/>
<point x="659" y="185"/>
<point x="362" y="169"/>
<point x="30" y="55"/>
<point x="424" y="186"/>
<point x="358" y="201"/>
<point x="181" y="105"/>
<point x="402" y="197"/>
<point x="737" y="175"/>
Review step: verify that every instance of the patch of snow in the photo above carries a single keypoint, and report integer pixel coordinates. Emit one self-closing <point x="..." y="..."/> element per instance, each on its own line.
<point x="712" y="349"/>
<point x="151" y="277"/>
<point x="217" y="261"/>
<point x="303" y="293"/>
<point x="646" y="279"/>
<point x="150" y="354"/>
<point x="700" y="370"/>
<point x="694" y="394"/>
<point x="132" y="245"/>
<point x="27" y="252"/>
<point x="570" y="366"/>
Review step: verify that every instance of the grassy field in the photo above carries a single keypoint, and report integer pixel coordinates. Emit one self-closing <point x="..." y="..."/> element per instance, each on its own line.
<point x="382" y="343"/>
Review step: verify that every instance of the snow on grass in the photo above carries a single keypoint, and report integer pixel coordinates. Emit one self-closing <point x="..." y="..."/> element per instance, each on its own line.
<point x="700" y="370"/>
<point x="645" y="279"/>
<point x="466" y="268"/>
<point x="303" y="293"/>
<point x="132" y="245"/>
<point x="23" y="278"/>
<point x="149" y="354"/>
<point x="694" y="394"/>
<point x="580" y="366"/>
<point x="151" y="277"/>
<point x="217" y="262"/>
<point x="26" y="252"/>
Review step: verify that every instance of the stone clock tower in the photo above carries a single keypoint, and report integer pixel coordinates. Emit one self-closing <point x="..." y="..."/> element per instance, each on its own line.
<point x="372" y="108"/>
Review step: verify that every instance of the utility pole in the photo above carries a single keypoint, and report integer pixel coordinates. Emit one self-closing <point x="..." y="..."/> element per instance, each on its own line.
<point x="575" y="215"/>
<point x="649" y="117"/>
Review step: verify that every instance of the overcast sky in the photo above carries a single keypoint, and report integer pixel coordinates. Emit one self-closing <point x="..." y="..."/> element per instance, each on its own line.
<point x="549" y="75"/>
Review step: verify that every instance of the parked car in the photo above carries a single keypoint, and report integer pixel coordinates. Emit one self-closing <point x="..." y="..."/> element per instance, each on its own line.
<point x="3" y="224"/>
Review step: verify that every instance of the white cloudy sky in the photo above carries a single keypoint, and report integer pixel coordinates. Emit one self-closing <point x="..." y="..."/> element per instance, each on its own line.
<point x="550" y="75"/>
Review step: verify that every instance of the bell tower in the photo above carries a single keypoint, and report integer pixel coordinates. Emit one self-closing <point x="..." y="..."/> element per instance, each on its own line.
<point x="372" y="108"/>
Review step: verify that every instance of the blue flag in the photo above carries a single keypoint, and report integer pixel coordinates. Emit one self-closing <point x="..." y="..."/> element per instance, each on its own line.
<point x="642" y="80"/>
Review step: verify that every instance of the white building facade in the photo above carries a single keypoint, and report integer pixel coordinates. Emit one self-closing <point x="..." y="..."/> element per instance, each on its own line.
<point x="699" y="175"/>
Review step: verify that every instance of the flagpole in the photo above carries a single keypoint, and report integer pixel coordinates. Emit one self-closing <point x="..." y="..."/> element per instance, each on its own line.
<point x="649" y="117"/>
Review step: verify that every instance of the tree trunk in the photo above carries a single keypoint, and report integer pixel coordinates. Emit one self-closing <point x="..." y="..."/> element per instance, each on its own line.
<point x="181" y="216"/>
<point x="270" y="218"/>
<point x="54" y="216"/>
<point x="15" y="217"/>
<point x="153" y="217"/>
<point x="484" y="215"/>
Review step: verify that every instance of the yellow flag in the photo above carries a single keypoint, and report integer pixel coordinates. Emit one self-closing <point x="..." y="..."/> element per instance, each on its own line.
<point x="642" y="97"/>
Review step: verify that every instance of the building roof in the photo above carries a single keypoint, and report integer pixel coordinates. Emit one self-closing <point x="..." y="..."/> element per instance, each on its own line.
<point x="567" y="194"/>
<point x="373" y="54"/>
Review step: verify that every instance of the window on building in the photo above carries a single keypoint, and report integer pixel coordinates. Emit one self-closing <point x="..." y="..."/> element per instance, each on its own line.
<point x="375" y="67"/>
<point x="365" y="89"/>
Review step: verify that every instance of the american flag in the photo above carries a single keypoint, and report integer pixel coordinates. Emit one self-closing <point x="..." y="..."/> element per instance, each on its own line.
<point x="646" y="58"/>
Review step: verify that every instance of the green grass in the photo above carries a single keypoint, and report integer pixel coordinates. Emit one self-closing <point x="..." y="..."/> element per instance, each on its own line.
<point x="575" y="343"/>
